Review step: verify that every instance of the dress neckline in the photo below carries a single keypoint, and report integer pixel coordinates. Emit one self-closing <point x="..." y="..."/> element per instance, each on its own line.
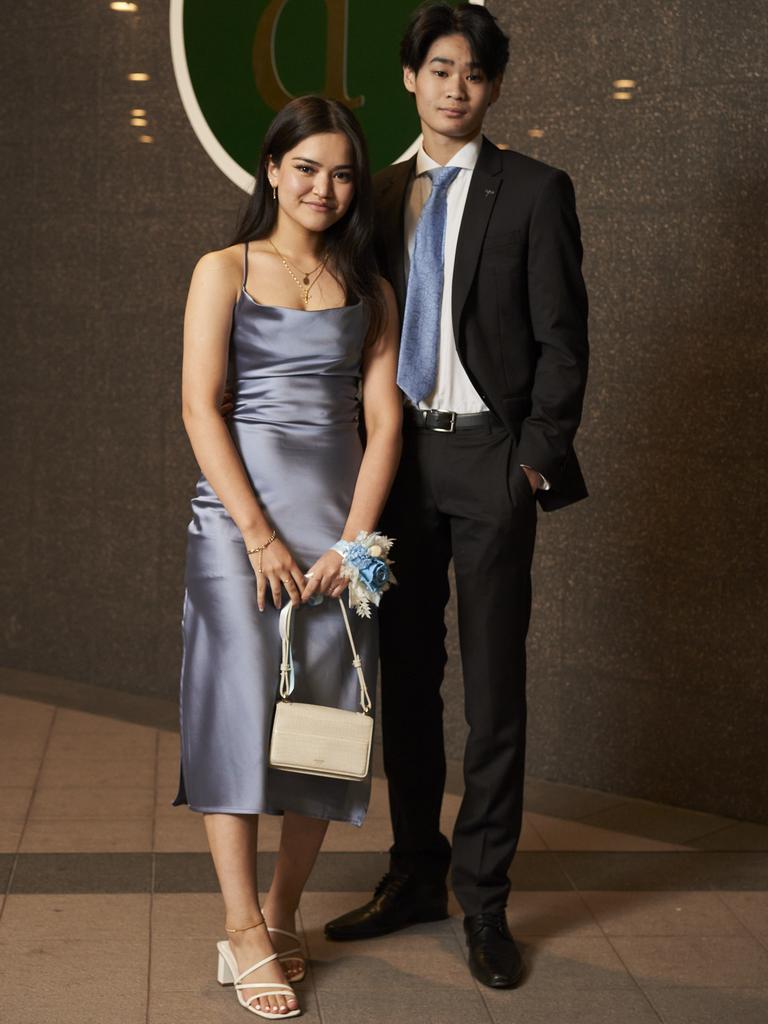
<point x="295" y="309"/>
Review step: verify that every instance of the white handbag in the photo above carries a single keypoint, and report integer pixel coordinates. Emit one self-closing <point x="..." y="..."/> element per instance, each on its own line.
<point x="313" y="739"/>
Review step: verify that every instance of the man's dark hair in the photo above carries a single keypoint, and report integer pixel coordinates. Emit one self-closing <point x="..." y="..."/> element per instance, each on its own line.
<point x="489" y="45"/>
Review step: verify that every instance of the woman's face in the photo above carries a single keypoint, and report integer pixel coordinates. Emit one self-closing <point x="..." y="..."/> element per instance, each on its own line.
<point x="314" y="181"/>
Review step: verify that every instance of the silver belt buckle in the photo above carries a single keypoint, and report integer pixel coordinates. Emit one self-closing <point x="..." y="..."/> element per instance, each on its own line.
<point x="445" y="430"/>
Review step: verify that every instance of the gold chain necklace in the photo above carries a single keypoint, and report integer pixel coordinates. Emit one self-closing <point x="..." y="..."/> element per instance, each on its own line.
<point x="306" y="284"/>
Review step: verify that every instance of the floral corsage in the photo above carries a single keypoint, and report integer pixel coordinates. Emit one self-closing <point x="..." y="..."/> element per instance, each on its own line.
<point x="365" y="563"/>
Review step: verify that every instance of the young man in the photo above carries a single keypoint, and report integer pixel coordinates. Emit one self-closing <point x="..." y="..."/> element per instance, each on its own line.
<point x="482" y="248"/>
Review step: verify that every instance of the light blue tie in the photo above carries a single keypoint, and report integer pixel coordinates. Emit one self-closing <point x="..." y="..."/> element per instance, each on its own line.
<point x="420" y="341"/>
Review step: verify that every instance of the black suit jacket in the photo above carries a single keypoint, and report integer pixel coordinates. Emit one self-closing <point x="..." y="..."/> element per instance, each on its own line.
<point x="519" y="302"/>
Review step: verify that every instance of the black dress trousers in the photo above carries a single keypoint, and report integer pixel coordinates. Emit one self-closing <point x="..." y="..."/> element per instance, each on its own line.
<point x="458" y="495"/>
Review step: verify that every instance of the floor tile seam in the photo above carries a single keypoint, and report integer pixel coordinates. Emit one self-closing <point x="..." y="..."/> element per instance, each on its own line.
<point x="687" y="840"/>
<point x="721" y="828"/>
<point x="590" y="911"/>
<point x="310" y="977"/>
<point x="97" y="788"/>
<point x="479" y="988"/>
<point x="582" y="818"/>
<point x="632" y="835"/>
<point x="303" y="928"/>
<point x="155" y="780"/>
<point x="736" y="917"/>
<point x="41" y="762"/>
<point x="635" y="981"/>
<point x="483" y="999"/>
<point x="528" y="825"/>
<point x="152" y="886"/>
<point x="63" y="820"/>
<point x="310" y="974"/>
<point x="562" y="869"/>
<point x="760" y="938"/>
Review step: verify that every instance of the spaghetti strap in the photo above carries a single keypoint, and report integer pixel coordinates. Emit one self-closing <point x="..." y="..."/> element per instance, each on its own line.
<point x="245" y="264"/>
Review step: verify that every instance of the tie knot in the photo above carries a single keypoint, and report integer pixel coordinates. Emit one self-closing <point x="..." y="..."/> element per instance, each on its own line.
<point x="442" y="176"/>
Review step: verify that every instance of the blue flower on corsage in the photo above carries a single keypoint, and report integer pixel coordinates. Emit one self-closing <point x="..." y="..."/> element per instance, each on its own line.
<point x="365" y="563"/>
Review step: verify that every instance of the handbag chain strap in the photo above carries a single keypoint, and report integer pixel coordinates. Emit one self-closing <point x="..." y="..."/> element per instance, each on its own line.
<point x="287" y="676"/>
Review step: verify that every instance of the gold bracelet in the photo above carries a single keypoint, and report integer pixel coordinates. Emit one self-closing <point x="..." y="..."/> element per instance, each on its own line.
<point x="260" y="550"/>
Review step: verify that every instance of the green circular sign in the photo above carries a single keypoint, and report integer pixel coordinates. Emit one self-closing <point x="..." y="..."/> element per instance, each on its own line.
<point x="237" y="62"/>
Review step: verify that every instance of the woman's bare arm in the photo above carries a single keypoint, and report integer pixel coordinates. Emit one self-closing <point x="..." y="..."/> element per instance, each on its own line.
<point x="207" y="323"/>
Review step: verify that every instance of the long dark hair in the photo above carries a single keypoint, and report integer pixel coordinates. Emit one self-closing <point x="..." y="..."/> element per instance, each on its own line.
<point x="349" y="242"/>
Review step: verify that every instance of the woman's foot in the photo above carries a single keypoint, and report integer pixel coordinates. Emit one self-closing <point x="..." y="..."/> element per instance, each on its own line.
<point x="282" y="932"/>
<point x="249" y="947"/>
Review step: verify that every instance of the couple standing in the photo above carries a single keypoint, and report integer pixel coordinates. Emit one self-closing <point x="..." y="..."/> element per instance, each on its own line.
<point x="482" y="294"/>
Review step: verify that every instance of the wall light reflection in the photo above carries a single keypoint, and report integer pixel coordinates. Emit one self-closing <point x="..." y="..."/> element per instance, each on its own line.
<point x="536" y="133"/>
<point x="137" y="112"/>
<point x="139" y="122"/>
<point x="129" y="8"/>
<point x="622" y="95"/>
<point x="138" y="76"/>
<point x="146" y="138"/>
<point x="624" y="83"/>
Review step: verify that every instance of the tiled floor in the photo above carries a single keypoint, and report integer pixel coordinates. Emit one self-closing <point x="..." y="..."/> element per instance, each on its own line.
<point x="626" y="911"/>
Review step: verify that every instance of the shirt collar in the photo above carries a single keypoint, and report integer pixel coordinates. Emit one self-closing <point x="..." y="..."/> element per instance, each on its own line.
<point x="466" y="157"/>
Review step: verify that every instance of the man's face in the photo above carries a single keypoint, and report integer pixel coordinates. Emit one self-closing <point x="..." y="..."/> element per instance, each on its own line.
<point x="452" y="91"/>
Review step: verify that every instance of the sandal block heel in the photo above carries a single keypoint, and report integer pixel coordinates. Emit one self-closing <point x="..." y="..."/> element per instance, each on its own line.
<point x="224" y="974"/>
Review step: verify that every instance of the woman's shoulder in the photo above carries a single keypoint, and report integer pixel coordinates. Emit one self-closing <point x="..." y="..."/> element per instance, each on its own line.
<point x="222" y="261"/>
<point x="220" y="270"/>
<point x="218" y="274"/>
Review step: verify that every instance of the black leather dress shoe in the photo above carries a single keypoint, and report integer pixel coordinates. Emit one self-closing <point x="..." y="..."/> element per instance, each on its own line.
<point x="399" y="900"/>
<point x="494" y="959"/>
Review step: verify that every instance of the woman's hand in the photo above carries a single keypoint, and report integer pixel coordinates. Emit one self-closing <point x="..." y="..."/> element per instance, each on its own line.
<point x="227" y="403"/>
<point x="323" y="577"/>
<point x="279" y="569"/>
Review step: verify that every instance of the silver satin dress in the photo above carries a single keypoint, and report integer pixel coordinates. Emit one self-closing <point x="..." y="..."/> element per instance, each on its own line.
<point x="296" y="376"/>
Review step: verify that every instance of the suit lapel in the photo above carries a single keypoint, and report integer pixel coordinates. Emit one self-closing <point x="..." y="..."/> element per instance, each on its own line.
<point x="391" y="213"/>
<point x="483" y="191"/>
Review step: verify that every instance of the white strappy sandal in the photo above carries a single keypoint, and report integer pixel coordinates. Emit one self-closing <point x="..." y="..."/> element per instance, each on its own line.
<point x="228" y="975"/>
<point x="296" y="953"/>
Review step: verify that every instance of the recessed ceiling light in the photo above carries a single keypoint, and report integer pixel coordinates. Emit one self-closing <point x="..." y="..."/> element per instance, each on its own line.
<point x="146" y="138"/>
<point x="138" y="76"/>
<point x="139" y="122"/>
<point x="536" y="133"/>
<point x="119" y="6"/>
<point x="624" y="83"/>
<point x="138" y="112"/>
<point x="622" y="95"/>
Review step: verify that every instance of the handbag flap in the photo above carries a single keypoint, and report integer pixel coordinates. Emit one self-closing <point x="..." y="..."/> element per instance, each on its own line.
<point x="316" y="739"/>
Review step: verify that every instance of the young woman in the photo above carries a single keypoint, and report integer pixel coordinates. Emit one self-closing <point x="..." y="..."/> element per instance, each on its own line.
<point x="294" y="319"/>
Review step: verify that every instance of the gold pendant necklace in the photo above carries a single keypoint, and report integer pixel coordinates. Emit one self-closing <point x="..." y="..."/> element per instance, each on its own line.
<point x="306" y="284"/>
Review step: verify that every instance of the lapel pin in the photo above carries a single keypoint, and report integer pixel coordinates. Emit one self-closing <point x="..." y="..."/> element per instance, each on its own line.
<point x="490" y="192"/>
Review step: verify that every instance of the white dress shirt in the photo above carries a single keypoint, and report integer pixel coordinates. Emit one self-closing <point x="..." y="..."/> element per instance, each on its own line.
<point x="454" y="391"/>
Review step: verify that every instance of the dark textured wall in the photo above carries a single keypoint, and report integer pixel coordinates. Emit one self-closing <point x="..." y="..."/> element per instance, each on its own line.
<point x="648" y="641"/>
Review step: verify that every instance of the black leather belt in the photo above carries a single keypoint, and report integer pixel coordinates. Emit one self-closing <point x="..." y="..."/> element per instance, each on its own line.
<point x="447" y="422"/>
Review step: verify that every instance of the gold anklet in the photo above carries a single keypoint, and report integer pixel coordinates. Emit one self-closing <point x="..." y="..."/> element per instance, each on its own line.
<point x="246" y="929"/>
